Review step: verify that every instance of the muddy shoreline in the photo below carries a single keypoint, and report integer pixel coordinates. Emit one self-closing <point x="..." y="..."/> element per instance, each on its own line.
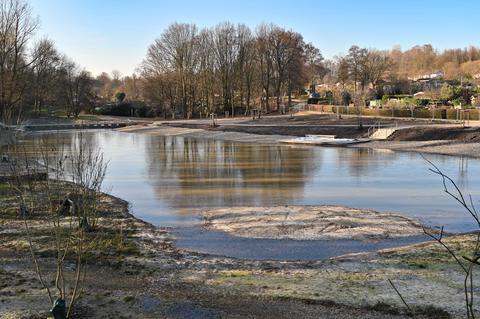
<point x="147" y="279"/>
<point x="152" y="278"/>
<point x="247" y="135"/>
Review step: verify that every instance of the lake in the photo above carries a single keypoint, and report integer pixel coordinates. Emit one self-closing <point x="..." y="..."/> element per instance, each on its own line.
<point x="168" y="179"/>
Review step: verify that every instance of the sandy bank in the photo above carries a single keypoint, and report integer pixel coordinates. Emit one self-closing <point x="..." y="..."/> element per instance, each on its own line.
<point x="443" y="147"/>
<point x="166" y="130"/>
<point x="310" y="223"/>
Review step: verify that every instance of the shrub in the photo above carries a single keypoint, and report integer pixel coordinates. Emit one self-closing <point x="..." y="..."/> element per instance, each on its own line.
<point x="122" y="109"/>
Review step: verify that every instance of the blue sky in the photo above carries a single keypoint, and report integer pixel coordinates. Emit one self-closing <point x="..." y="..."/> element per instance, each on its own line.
<point x="103" y="35"/>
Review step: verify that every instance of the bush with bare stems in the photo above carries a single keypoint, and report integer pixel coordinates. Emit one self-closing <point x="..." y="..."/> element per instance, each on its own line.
<point x="66" y="202"/>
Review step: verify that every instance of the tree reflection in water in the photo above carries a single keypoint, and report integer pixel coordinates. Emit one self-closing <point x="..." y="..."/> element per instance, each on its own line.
<point x="165" y="177"/>
<point x="205" y="173"/>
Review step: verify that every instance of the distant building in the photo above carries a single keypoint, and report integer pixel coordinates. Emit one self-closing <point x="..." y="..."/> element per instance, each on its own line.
<point x="420" y="94"/>
<point x="426" y="77"/>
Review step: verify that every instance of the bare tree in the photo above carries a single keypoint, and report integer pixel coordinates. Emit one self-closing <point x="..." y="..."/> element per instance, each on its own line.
<point x="284" y="46"/>
<point x="315" y="69"/>
<point x="356" y="60"/>
<point x="17" y="26"/>
<point x="45" y="73"/>
<point x="376" y="64"/>
<point x="264" y="51"/>
<point x="226" y="52"/>
<point x="343" y="72"/>
<point x="206" y="70"/>
<point x="76" y="87"/>
<point x="244" y="59"/>
<point x="250" y="72"/>
<point x="466" y="261"/>
<point x="103" y="86"/>
<point x="228" y="62"/>
<point x="174" y="53"/>
<point x="301" y="67"/>
<point x="130" y="85"/>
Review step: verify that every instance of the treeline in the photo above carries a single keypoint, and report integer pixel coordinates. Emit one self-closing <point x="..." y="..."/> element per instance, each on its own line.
<point x="34" y="75"/>
<point x="192" y="72"/>
<point x="229" y="67"/>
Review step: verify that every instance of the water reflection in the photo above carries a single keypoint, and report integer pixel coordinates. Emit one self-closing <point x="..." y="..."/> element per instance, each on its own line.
<point x="199" y="173"/>
<point x="166" y="177"/>
<point x="363" y="161"/>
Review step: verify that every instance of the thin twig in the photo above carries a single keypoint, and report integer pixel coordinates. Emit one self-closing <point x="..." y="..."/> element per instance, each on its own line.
<point x="441" y="242"/>
<point x="401" y="297"/>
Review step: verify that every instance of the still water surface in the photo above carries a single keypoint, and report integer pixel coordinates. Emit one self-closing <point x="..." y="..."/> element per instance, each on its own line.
<point x="168" y="179"/>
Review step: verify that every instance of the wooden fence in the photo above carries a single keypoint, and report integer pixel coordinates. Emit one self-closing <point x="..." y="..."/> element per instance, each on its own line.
<point x="438" y="113"/>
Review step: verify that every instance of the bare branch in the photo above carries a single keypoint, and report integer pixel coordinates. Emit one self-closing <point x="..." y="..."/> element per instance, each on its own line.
<point x="401" y="297"/>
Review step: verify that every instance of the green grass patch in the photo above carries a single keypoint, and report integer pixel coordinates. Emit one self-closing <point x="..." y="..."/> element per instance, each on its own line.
<point x="353" y="276"/>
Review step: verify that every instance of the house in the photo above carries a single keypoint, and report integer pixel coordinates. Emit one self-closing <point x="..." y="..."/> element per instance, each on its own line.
<point x="429" y="76"/>
<point x="420" y="94"/>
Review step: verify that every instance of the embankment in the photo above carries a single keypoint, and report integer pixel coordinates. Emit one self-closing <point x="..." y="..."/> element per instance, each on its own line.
<point x="167" y="130"/>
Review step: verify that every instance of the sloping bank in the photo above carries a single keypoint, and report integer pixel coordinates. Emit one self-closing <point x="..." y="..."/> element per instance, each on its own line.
<point x="443" y="147"/>
<point x="137" y="272"/>
<point x="447" y="140"/>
